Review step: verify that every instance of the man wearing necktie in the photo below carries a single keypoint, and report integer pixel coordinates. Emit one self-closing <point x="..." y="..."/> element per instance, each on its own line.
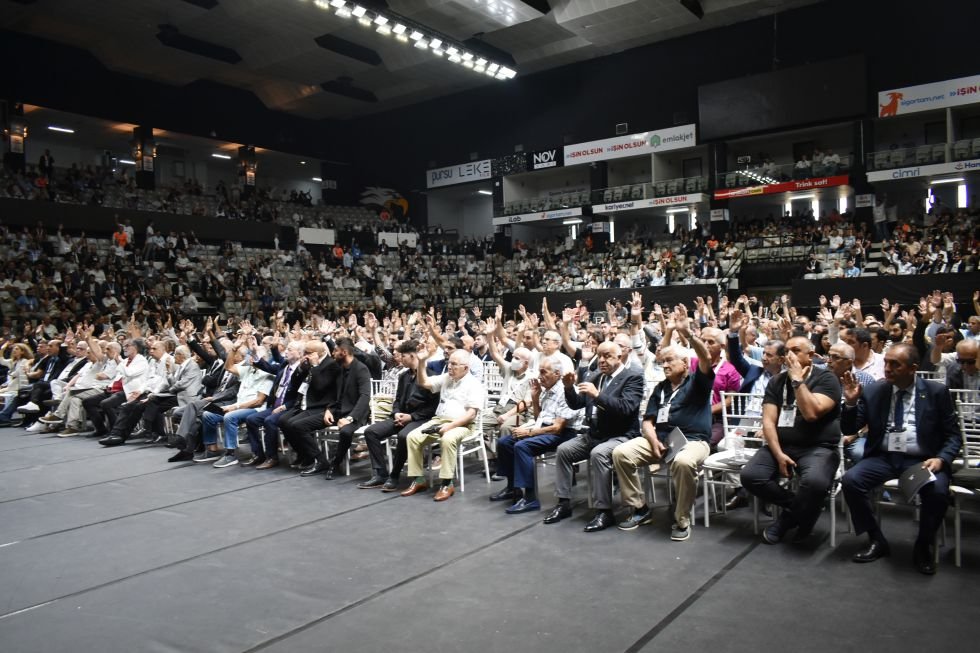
<point x="611" y="399"/>
<point x="284" y="395"/>
<point x="911" y="423"/>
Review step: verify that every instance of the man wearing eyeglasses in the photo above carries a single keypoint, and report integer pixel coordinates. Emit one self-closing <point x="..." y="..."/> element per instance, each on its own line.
<point x="960" y="366"/>
<point x="840" y="361"/>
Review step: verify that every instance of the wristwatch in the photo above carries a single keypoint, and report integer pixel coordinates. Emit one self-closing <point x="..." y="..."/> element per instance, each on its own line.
<point x="795" y="383"/>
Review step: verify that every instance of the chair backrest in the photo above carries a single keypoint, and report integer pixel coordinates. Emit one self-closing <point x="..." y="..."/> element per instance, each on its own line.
<point x="382" y="397"/>
<point x="927" y="375"/>
<point x="968" y="410"/>
<point x="735" y="419"/>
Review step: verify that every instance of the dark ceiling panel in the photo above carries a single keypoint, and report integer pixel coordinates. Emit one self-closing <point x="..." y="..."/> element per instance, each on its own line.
<point x="171" y="37"/>
<point x="203" y="4"/>
<point x="348" y="49"/>
<point x="344" y="86"/>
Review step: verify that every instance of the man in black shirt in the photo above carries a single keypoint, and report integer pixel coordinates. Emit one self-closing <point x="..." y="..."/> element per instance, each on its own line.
<point x="412" y="407"/>
<point x="801" y="427"/>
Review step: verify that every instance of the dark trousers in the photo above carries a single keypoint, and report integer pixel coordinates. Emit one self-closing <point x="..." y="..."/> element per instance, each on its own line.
<point x="298" y="427"/>
<point x="93" y="409"/>
<point x="127" y="417"/>
<point x="40" y="391"/>
<point x="263" y="432"/>
<point x="153" y="411"/>
<point x="345" y="435"/>
<point x="877" y="468"/>
<point x="515" y="458"/>
<point x="815" y="469"/>
<point x="375" y="437"/>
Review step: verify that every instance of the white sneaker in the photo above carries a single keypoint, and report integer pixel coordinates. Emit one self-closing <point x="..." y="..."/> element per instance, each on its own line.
<point x="30" y="407"/>
<point x="37" y="427"/>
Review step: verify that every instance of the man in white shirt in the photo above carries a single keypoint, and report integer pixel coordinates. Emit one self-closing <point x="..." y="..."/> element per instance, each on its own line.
<point x="461" y="398"/>
<point x="865" y="358"/>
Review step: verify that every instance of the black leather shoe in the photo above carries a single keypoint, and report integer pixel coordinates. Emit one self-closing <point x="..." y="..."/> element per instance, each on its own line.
<point x="175" y="442"/>
<point x="600" y="522"/>
<point x="877" y="549"/>
<point x="507" y="494"/>
<point x="112" y="441"/>
<point x="372" y="483"/>
<point x="736" y="502"/>
<point x="140" y="434"/>
<point x="924" y="559"/>
<point x="253" y="460"/>
<point x="300" y="464"/>
<point x="157" y="439"/>
<point x="391" y="485"/>
<point x="179" y="456"/>
<point x="316" y="468"/>
<point x="559" y="512"/>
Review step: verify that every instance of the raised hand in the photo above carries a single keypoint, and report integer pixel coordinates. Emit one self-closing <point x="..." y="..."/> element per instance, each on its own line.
<point x="850" y="388"/>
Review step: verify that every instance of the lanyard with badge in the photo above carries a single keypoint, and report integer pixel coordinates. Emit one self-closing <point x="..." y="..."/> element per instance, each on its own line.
<point x="897" y="431"/>
<point x="787" y="414"/>
<point x="665" y="401"/>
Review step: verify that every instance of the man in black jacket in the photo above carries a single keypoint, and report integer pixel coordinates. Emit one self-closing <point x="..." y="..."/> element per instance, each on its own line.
<point x="299" y="424"/>
<point x="611" y="398"/>
<point x="413" y="406"/>
<point x="352" y="408"/>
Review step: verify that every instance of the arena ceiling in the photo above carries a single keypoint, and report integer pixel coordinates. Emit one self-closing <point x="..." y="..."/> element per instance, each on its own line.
<point x="302" y="58"/>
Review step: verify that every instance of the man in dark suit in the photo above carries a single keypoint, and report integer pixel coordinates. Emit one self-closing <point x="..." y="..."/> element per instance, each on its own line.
<point x="284" y="396"/>
<point x="412" y="407"/>
<point x="299" y="424"/>
<point x="352" y="408"/>
<point x="611" y="398"/>
<point x="911" y="423"/>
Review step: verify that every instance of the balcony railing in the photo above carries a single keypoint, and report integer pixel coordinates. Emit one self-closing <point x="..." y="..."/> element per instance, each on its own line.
<point x="762" y="175"/>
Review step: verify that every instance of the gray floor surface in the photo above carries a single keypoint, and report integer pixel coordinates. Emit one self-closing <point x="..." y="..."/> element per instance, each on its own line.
<point x="118" y="550"/>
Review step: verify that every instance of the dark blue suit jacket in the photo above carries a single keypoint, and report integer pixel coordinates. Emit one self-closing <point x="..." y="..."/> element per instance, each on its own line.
<point x="617" y="408"/>
<point x="936" y="426"/>
<point x="750" y="373"/>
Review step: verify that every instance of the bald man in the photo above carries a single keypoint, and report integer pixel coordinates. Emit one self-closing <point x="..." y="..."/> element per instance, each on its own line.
<point x="801" y="426"/>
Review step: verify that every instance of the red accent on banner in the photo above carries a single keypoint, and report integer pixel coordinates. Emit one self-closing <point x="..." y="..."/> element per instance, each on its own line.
<point x="782" y="187"/>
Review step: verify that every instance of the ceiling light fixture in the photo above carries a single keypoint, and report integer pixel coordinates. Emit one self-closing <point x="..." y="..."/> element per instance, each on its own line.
<point x="317" y="179"/>
<point x="485" y="192"/>
<point x="221" y="156"/>
<point x="63" y="130"/>
<point x="423" y="37"/>
<point x="935" y="181"/>
<point x="128" y="162"/>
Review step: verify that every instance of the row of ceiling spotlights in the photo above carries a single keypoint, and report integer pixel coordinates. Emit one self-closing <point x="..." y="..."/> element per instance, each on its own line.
<point x="404" y="33"/>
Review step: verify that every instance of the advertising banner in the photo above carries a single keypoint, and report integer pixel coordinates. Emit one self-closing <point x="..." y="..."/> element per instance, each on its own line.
<point x="661" y="140"/>
<point x="458" y="174"/>
<point x="926" y="97"/>
<point x="782" y="187"/>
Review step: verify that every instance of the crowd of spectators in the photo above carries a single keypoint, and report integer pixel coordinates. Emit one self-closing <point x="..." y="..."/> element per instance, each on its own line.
<point x="659" y="368"/>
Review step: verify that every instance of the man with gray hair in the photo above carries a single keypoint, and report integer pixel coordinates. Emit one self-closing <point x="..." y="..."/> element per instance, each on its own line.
<point x="182" y="386"/>
<point x="840" y="361"/>
<point x="554" y="422"/>
<point x="461" y="398"/>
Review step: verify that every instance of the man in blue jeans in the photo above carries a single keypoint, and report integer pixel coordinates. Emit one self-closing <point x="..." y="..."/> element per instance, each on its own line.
<point x="283" y="396"/>
<point x="554" y="422"/>
<point x="254" y="387"/>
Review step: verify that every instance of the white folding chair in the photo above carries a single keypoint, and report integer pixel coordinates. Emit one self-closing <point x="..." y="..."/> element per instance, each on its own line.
<point x="739" y="424"/>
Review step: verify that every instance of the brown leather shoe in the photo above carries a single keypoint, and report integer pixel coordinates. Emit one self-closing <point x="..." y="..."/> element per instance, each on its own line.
<point x="444" y="493"/>
<point x="268" y="464"/>
<point x="414" y="488"/>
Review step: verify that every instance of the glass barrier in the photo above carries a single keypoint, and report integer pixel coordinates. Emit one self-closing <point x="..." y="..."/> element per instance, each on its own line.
<point x="548" y="203"/>
<point x="764" y="174"/>
<point x="900" y="157"/>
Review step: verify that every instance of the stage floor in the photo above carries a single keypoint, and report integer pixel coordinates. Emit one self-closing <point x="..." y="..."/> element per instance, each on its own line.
<point x="118" y="550"/>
